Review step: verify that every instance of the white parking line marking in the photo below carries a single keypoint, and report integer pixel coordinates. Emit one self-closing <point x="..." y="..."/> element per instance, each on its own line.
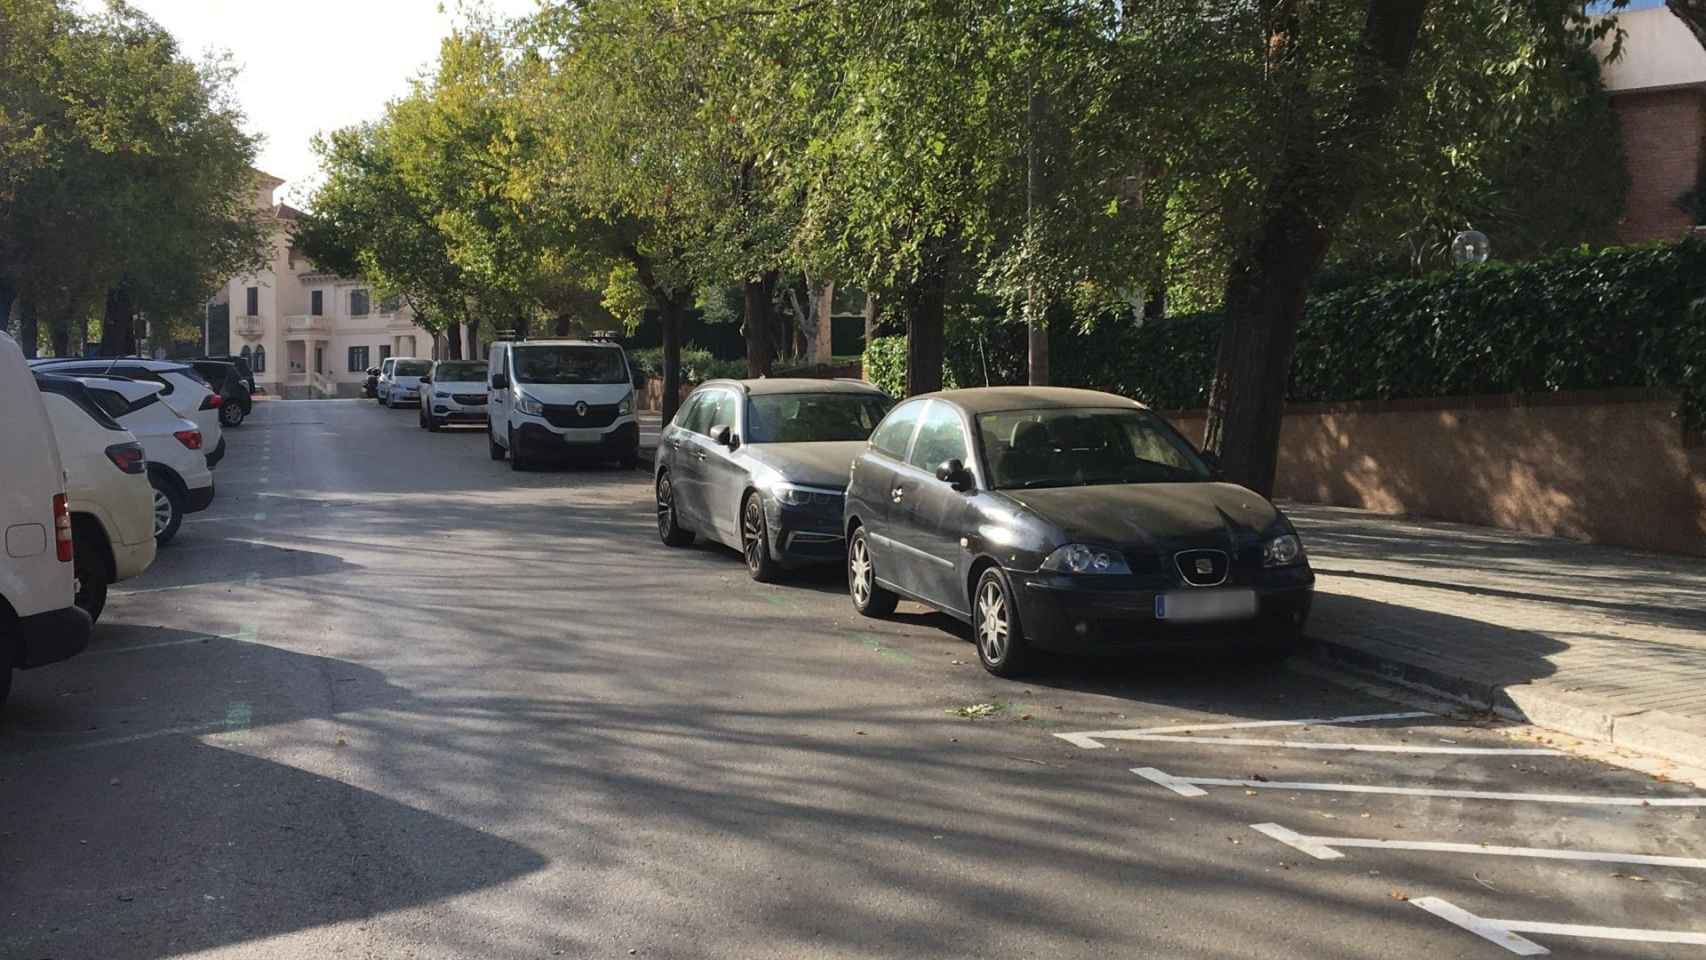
<point x="1325" y="848"/>
<point x="1350" y="747"/>
<point x="1190" y="787"/>
<point x="1505" y="932"/>
<point x="231" y="517"/>
<point x="1090" y="740"/>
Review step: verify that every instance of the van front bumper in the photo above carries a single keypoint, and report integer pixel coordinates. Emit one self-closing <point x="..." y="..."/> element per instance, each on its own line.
<point x="50" y="637"/>
<point x="618" y="441"/>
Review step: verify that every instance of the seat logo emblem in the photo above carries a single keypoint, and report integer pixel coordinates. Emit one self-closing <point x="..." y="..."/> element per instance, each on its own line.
<point x="1205" y="566"/>
<point x="580" y="409"/>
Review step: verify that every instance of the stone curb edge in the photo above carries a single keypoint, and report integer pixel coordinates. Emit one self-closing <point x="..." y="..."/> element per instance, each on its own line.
<point x="1653" y="732"/>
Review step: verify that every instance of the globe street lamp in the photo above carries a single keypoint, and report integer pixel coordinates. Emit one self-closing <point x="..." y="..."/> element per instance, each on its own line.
<point x="1470" y="247"/>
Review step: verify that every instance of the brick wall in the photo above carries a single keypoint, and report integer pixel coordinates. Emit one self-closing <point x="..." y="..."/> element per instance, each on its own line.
<point x="1664" y="139"/>
<point x="1609" y="467"/>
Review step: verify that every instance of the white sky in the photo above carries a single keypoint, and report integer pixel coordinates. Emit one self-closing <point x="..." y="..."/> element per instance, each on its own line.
<point x="312" y="65"/>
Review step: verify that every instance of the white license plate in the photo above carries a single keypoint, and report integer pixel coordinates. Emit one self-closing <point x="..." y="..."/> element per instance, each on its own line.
<point x="582" y="436"/>
<point x="1202" y="606"/>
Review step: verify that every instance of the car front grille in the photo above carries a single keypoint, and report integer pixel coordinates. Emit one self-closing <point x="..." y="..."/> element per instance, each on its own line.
<point x="564" y="415"/>
<point x="1203" y="568"/>
<point x="470" y="399"/>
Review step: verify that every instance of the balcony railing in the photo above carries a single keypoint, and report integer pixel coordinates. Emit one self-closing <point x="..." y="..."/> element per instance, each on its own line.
<point x="307" y="324"/>
<point x="249" y="326"/>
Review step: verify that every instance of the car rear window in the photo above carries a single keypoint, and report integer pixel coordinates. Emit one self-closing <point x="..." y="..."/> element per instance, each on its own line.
<point x="411" y="368"/>
<point x="79" y="396"/>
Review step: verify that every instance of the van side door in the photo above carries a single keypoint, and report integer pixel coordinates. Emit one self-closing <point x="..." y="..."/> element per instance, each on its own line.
<point x="498" y="397"/>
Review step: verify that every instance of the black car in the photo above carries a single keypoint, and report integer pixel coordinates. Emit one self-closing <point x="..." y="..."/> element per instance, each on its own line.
<point x="1066" y="520"/>
<point x="761" y="465"/>
<point x="227" y="378"/>
<point x="243" y="369"/>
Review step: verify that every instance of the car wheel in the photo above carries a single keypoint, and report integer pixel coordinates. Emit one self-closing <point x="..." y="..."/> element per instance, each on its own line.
<point x="630" y="461"/>
<point x="517" y="461"/>
<point x="91" y="573"/>
<point x="670" y="530"/>
<point x="492" y="445"/>
<point x="755" y="541"/>
<point x="5" y="684"/>
<point x="231" y="414"/>
<point x="168" y="510"/>
<point x="1000" y="638"/>
<point x="868" y="598"/>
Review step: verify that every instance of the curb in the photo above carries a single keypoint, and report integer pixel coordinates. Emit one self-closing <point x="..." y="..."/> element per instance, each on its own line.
<point x="1545" y="704"/>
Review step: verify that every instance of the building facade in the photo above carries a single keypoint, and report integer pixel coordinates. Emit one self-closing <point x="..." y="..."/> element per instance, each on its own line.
<point x="307" y="333"/>
<point x="1658" y="88"/>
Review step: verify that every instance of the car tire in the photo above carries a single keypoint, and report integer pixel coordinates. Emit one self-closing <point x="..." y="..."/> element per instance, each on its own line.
<point x="231" y="414"/>
<point x="755" y="541"/>
<point x="996" y="630"/>
<point x="670" y="530"/>
<point x="630" y="461"/>
<point x="868" y="598"/>
<point x="168" y="509"/>
<point x="517" y="460"/>
<point x="492" y="446"/>
<point x="90" y="570"/>
<point x="6" y="681"/>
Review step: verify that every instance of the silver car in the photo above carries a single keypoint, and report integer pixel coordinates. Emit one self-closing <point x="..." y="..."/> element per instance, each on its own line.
<point x="762" y="466"/>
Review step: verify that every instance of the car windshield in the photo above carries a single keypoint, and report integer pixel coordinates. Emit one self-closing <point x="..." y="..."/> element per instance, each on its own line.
<point x="1080" y="447"/>
<point x="461" y="371"/>
<point x="566" y="363"/>
<point x="813" y="417"/>
<point x="411" y="368"/>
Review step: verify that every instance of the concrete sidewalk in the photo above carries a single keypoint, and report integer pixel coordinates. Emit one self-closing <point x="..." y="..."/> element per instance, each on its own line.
<point x="1597" y="642"/>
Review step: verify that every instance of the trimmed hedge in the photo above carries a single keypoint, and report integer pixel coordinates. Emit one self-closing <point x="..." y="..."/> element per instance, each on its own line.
<point x="1627" y="317"/>
<point x="697" y="364"/>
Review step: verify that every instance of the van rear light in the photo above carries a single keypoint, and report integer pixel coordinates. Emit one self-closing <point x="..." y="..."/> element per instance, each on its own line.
<point x="62" y="527"/>
<point x="128" y="457"/>
<point x="189" y="438"/>
<point x="212" y="401"/>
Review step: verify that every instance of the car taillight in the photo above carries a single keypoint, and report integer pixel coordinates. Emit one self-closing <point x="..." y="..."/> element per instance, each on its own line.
<point x="212" y="401"/>
<point x="62" y="527"/>
<point x="189" y="438"/>
<point x="128" y="457"/>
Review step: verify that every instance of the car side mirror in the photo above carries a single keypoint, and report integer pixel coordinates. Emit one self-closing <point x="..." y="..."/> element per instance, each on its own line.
<point x="723" y="435"/>
<point x="500" y="381"/>
<point x="954" y="474"/>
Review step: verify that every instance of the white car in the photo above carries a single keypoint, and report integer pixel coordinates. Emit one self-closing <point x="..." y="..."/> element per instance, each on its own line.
<point x="40" y="622"/>
<point x="454" y="393"/>
<point x="112" y="504"/>
<point x="561" y="397"/>
<point x="177" y="472"/>
<point x="183" y="390"/>
<point x="400" y="380"/>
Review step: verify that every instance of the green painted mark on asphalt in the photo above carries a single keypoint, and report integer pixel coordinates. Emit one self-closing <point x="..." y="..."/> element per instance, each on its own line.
<point x="890" y="652"/>
<point x="238" y="715"/>
<point x="246" y="633"/>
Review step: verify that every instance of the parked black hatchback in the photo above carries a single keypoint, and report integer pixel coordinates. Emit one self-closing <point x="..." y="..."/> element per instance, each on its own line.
<point x="1065" y="520"/>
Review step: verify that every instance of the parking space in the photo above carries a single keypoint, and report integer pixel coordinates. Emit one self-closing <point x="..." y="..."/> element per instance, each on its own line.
<point x="1522" y="845"/>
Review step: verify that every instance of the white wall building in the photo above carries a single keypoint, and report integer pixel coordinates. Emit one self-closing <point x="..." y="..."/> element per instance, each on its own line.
<point x="307" y="333"/>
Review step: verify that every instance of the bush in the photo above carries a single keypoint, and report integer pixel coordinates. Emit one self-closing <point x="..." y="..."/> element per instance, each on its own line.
<point x="1626" y="317"/>
<point x="697" y="364"/>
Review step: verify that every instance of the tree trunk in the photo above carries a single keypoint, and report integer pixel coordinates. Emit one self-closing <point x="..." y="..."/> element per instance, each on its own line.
<point x="671" y="312"/>
<point x="1307" y="200"/>
<point x="453" y="339"/>
<point x="565" y="325"/>
<point x="871" y="309"/>
<point x="59" y="336"/>
<point x="823" y="340"/>
<point x="1036" y="311"/>
<point x="925" y="334"/>
<point x="8" y="296"/>
<point x="1155" y="307"/>
<point x="1692" y="13"/>
<point x="760" y="353"/>
<point x="117" y="338"/>
<point x="29" y="334"/>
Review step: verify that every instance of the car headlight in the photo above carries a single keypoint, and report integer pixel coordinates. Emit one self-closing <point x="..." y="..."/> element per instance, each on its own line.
<point x="1078" y="558"/>
<point x="530" y="406"/>
<point x="1282" y="551"/>
<point x="797" y="496"/>
<point x="440" y="395"/>
<point x="626" y="406"/>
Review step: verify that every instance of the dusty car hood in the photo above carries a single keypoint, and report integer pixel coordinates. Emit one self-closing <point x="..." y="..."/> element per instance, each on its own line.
<point x="1151" y="513"/>
<point x="813" y="464"/>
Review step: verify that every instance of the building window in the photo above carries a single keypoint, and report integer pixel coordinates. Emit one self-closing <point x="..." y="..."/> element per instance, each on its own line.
<point x="317" y="303"/>
<point x="248" y="357"/>
<point x="357" y="359"/>
<point x="390" y="305"/>
<point x="358" y="303"/>
<point x="384" y="352"/>
<point x="253" y="302"/>
<point x="319" y="359"/>
<point x="259" y="363"/>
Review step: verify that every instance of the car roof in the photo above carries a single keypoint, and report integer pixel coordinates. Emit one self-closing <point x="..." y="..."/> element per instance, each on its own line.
<point x="157" y="366"/>
<point x="125" y="387"/>
<point x="996" y="399"/>
<point x="765" y="386"/>
<point x="569" y="342"/>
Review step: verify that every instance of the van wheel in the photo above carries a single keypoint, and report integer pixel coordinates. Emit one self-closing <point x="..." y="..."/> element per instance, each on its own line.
<point x="168" y="509"/>
<point x="91" y="572"/>
<point x="492" y="445"/>
<point x="517" y="461"/>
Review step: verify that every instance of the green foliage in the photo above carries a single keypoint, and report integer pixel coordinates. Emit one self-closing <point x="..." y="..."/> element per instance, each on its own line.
<point x="697" y="364"/>
<point x="1632" y="317"/>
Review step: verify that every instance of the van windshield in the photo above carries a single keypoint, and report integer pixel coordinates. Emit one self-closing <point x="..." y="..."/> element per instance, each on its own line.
<point x="569" y="363"/>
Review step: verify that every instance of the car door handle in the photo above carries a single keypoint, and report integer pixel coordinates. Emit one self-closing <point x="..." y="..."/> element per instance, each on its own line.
<point x="702" y="457"/>
<point x="897" y="494"/>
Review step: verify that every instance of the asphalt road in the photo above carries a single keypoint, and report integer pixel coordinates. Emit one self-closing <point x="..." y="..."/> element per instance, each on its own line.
<point x="388" y="699"/>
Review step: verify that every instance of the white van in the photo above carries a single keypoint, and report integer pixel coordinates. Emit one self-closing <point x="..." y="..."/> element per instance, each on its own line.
<point x="550" y="398"/>
<point x="40" y="622"/>
<point x="112" y="504"/>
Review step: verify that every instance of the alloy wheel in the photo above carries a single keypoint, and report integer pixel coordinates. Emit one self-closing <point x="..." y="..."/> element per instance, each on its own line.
<point x="666" y="507"/>
<point x="162" y="511"/>
<point x="992" y="623"/>
<point x="859" y="564"/>
<point x="752" y="534"/>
